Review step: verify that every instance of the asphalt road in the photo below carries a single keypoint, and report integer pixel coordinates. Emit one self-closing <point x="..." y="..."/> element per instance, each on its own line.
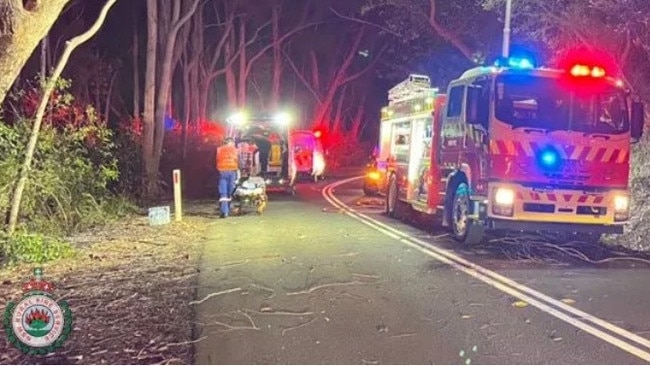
<point x="311" y="283"/>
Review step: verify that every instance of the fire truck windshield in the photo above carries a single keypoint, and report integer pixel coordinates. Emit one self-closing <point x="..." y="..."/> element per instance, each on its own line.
<point x="545" y="103"/>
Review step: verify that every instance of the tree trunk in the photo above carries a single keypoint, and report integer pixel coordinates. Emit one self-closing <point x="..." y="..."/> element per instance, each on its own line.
<point x="204" y="91"/>
<point x="47" y="92"/>
<point x="136" y="68"/>
<point x="188" y="95"/>
<point x="358" y="124"/>
<point x="166" y="72"/>
<point x="148" y="122"/>
<point x="338" y="117"/>
<point x="22" y="27"/>
<point x="231" y="83"/>
<point x="243" y="74"/>
<point x="109" y="96"/>
<point x="277" y="60"/>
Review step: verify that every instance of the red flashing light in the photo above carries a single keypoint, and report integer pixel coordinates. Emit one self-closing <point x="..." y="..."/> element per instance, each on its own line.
<point x="598" y="72"/>
<point x="584" y="70"/>
<point x="318" y="134"/>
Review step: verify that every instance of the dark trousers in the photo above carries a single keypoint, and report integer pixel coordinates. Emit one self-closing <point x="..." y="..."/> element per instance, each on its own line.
<point x="227" y="181"/>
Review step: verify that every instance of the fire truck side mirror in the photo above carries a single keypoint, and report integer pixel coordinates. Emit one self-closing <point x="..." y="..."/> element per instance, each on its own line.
<point x="637" y="120"/>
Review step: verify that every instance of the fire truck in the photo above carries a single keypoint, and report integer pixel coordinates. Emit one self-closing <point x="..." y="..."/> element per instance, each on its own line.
<point x="511" y="147"/>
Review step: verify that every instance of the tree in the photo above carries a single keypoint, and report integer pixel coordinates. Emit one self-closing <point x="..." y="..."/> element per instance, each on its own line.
<point x="462" y="23"/>
<point x="23" y="24"/>
<point x="620" y="29"/>
<point x="148" y="118"/>
<point x="49" y="85"/>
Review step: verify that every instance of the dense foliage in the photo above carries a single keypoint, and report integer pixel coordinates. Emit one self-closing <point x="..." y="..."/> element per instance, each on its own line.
<point x="68" y="187"/>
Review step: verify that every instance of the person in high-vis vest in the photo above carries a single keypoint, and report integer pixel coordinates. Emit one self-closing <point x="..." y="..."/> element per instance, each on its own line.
<point x="228" y="168"/>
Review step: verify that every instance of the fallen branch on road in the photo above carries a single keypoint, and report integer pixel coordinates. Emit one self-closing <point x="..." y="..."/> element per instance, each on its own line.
<point x="229" y="327"/>
<point x="545" y="250"/>
<point x="284" y="330"/>
<point x="215" y="294"/>
<point x="335" y="284"/>
<point x="287" y="313"/>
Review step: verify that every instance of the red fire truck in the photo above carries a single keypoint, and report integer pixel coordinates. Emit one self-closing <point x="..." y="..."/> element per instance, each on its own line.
<point x="511" y="147"/>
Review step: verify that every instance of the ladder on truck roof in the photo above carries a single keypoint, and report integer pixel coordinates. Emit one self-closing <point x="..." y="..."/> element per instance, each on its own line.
<point x="415" y="86"/>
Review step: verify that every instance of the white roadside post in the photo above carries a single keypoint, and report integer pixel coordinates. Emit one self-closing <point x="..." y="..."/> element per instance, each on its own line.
<point x="177" y="195"/>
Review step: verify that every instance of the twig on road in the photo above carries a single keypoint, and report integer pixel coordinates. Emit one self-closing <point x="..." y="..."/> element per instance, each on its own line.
<point x="287" y="313"/>
<point x="229" y="327"/>
<point x="233" y="264"/>
<point x="350" y="254"/>
<point x="402" y="335"/>
<point x="364" y="275"/>
<point x="215" y="294"/>
<point x="353" y="296"/>
<point x="298" y="326"/>
<point x="312" y="289"/>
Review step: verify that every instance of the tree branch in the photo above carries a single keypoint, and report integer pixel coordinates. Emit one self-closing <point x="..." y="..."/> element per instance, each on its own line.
<point x="278" y="41"/>
<point x="71" y="45"/>
<point x="372" y="64"/>
<point x="302" y="77"/>
<point x="446" y="34"/>
<point x="364" y="22"/>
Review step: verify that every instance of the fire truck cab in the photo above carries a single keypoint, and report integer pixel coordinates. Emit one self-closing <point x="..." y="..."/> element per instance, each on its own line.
<point x="513" y="147"/>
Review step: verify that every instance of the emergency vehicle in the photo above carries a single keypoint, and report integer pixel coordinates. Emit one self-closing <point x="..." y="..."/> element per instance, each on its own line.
<point x="309" y="156"/>
<point x="512" y="147"/>
<point x="273" y="144"/>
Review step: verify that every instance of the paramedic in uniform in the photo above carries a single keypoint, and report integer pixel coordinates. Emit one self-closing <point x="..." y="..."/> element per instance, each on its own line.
<point x="228" y="167"/>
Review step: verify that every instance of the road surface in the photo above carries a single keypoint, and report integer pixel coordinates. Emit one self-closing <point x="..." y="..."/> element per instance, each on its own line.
<point x="318" y="279"/>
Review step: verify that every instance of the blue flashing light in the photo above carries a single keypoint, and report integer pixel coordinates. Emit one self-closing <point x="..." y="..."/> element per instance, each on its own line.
<point x="549" y="158"/>
<point x="515" y="63"/>
<point x="521" y="63"/>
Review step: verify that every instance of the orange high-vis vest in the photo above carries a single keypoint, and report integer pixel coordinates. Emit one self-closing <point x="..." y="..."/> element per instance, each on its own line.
<point x="227" y="158"/>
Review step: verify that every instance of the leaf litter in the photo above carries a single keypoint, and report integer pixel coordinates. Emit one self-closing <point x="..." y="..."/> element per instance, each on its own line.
<point x="129" y="288"/>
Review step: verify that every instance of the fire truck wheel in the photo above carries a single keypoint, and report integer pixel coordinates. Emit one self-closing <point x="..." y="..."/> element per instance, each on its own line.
<point x="391" y="197"/>
<point x="464" y="229"/>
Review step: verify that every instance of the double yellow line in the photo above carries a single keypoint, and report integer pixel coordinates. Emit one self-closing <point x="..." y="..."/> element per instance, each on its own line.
<point x="608" y="332"/>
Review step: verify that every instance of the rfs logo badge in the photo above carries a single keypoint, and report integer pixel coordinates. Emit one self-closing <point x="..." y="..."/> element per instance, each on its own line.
<point x="37" y="324"/>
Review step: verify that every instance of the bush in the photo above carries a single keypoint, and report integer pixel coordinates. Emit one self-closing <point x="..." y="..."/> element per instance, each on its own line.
<point x="33" y="248"/>
<point x="74" y="163"/>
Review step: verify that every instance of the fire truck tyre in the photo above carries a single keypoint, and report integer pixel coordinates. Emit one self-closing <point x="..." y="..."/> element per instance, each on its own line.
<point x="464" y="229"/>
<point x="391" y="197"/>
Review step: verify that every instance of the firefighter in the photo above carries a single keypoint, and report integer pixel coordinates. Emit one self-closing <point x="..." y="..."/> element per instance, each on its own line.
<point x="228" y="168"/>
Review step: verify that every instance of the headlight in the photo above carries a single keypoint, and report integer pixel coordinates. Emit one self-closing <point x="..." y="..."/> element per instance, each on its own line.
<point x="373" y="175"/>
<point x="503" y="202"/>
<point x="621" y="208"/>
<point x="621" y="203"/>
<point x="282" y="118"/>
<point x="504" y="197"/>
<point x="237" y="118"/>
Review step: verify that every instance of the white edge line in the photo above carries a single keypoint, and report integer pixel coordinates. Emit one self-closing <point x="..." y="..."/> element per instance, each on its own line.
<point x="497" y="281"/>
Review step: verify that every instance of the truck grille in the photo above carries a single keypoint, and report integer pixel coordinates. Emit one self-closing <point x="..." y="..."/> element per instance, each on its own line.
<point x="550" y="208"/>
